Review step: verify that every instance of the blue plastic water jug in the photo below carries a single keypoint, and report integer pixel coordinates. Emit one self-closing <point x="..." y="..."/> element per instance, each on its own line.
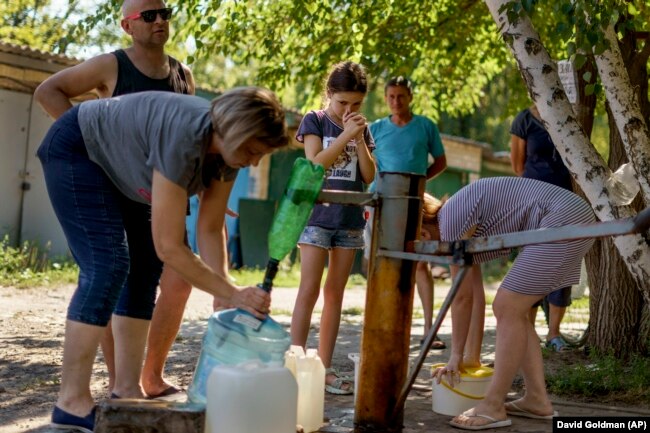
<point x="232" y="338"/>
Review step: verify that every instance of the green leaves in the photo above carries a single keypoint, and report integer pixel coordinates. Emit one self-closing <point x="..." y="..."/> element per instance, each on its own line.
<point x="579" y="60"/>
<point x="290" y="44"/>
<point x="595" y="88"/>
<point x="33" y="23"/>
<point x="528" y="6"/>
<point x="631" y="9"/>
<point x="311" y="7"/>
<point x="303" y="39"/>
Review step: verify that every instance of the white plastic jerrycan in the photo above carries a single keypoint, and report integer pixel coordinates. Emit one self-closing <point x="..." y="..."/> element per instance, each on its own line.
<point x="290" y="357"/>
<point x="251" y="397"/>
<point x="310" y="374"/>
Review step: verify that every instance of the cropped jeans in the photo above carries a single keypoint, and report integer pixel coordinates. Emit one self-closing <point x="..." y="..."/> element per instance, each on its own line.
<point x="108" y="234"/>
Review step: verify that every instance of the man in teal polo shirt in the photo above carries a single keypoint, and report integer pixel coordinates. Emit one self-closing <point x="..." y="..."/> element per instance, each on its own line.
<point x="403" y="143"/>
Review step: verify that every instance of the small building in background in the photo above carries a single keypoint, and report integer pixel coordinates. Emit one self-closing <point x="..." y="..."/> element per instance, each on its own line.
<point x="26" y="213"/>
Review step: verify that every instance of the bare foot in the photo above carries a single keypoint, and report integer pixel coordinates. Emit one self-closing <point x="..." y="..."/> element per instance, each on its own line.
<point x="135" y="392"/>
<point x="528" y="409"/>
<point x="336" y="384"/>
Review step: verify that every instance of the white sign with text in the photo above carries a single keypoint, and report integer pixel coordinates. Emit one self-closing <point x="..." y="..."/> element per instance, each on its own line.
<point x="568" y="79"/>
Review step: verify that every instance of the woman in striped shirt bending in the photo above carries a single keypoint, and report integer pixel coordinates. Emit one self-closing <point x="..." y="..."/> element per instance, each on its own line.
<point x="491" y="207"/>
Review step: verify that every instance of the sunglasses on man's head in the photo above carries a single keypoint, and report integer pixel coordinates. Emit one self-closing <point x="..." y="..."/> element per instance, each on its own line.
<point x="150" y="15"/>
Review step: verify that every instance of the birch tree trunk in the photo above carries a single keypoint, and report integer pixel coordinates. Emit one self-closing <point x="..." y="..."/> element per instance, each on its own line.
<point x="613" y="294"/>
<point x="626" y="111"/>
<point x="586" y="166"/>
<point x="613" y="297"/>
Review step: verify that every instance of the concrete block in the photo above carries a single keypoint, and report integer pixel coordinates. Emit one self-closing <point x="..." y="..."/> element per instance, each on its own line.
<point x="149" y="416"/>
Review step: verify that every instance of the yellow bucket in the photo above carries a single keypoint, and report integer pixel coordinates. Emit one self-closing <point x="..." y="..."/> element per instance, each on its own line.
<point x="464" y="395"/>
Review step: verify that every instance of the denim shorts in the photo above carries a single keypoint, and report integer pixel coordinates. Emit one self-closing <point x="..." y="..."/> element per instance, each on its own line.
<point x="558" y="298"/>
<point x="108" y="234"/>
<point x="328" y="239"/>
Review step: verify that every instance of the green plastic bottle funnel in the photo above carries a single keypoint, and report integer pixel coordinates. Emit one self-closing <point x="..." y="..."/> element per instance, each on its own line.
<point x="295" y="207"/>
<point x="305" y="182"/>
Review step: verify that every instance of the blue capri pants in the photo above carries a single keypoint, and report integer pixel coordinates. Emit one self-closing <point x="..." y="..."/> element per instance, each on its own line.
<point x="109" y="235"/>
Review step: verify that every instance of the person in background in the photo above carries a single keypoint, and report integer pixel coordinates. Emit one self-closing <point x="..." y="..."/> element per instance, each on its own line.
<point x="337" y="138"/>
<point x="404" y="141"/>
<point x="158" y="149"/>
<point x="533" y="155"/>
<point x="141" y="67"/>
<point x="491" y="207"/>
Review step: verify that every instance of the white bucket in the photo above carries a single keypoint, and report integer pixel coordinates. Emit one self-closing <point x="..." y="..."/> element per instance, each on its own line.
<point x="464" y="395"/>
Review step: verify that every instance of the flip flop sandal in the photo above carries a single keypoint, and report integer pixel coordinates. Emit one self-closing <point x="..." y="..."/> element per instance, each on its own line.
<point x="491" y="423"/>
<point x="436" y="345"/>
<point x="440" y="272"/>
<point x="170" y="393"/>
<point x="513" y="409"/>
<point x="336" y="387"/>
<point x="336" y="372"/>
<point x="558" y="344"/>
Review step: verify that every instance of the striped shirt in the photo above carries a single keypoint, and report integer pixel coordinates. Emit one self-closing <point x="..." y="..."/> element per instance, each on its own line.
<point x="502" y="205"/>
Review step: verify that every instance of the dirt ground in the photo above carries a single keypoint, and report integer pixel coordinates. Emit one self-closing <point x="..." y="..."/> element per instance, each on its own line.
<point x="31" y="337"/>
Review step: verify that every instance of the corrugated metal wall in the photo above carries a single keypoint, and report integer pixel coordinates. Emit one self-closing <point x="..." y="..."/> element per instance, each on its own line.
<point x="26" y="212"/>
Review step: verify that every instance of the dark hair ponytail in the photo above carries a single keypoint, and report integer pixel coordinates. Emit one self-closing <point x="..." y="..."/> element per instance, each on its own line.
<point x="346" y="77"/>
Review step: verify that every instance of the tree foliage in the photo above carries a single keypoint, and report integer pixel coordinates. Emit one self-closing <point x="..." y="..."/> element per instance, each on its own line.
<point x="296" y="41"/>
<point x="578" y="26"/>
<point x="31" y="23"/>
<point x="450" y="48"/>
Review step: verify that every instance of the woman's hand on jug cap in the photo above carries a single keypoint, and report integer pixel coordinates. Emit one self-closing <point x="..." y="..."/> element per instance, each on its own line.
<point x="252" y="299"/>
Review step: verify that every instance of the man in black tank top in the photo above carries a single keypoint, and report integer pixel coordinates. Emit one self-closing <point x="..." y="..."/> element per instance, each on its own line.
<point x="131" y="80"/>
<point x="141" y="67"/>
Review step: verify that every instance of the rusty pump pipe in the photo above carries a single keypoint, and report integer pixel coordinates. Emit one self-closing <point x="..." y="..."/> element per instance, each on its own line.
<point x="385" y="338"/>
